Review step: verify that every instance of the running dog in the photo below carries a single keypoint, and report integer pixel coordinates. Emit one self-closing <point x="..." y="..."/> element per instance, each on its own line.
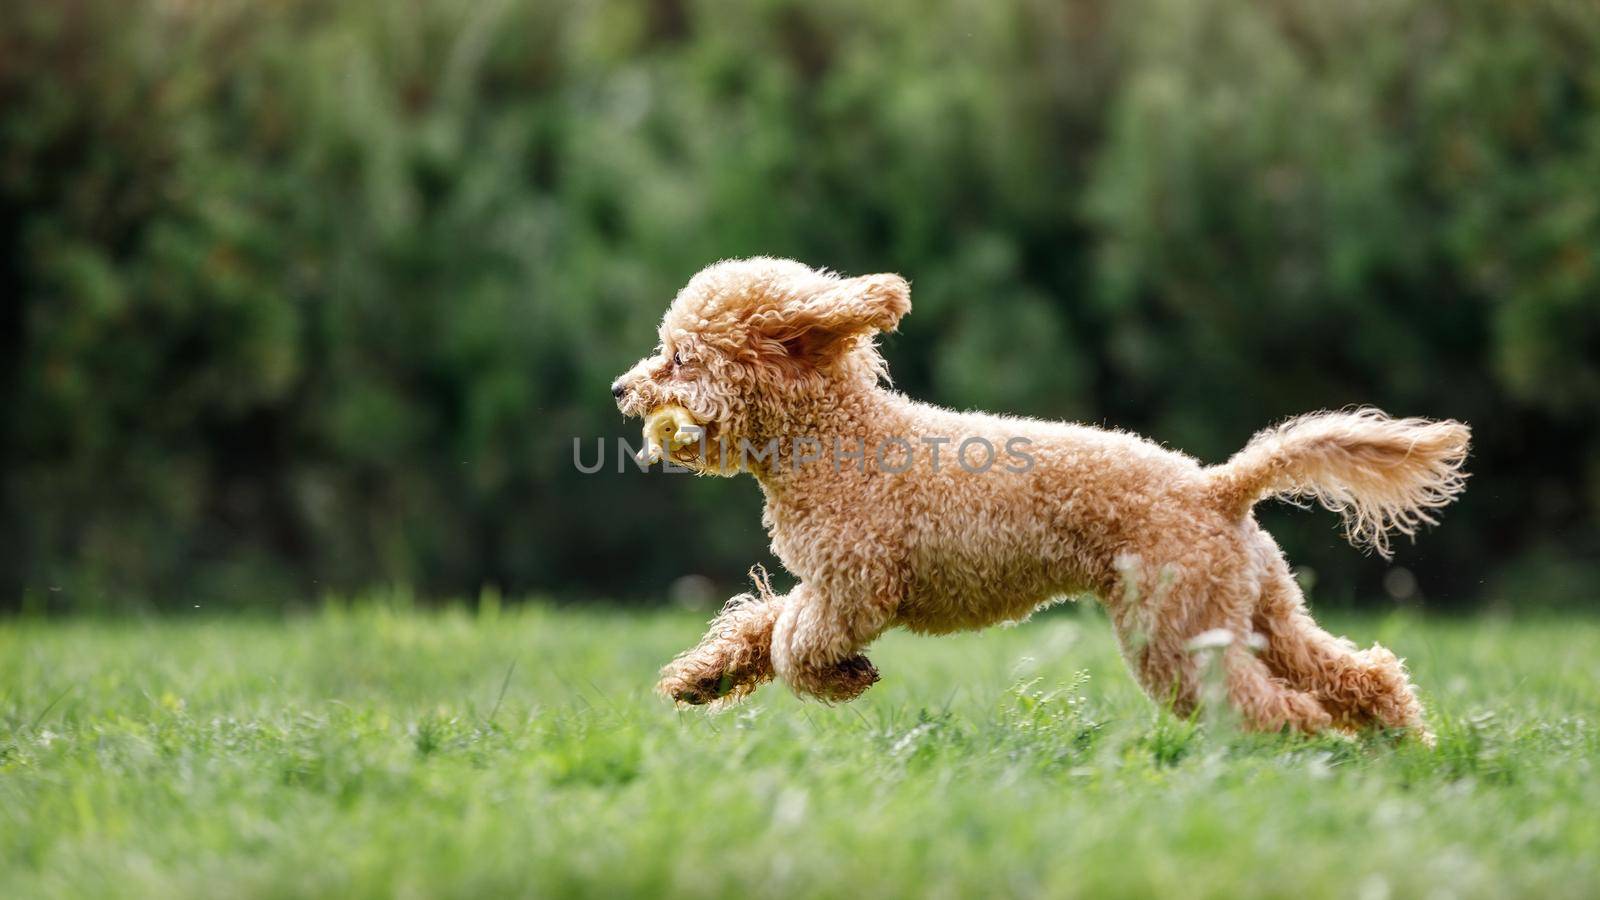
<point x="775" y="365"/>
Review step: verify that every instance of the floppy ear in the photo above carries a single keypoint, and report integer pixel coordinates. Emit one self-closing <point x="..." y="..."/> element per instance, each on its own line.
<point x="830" y="321"/>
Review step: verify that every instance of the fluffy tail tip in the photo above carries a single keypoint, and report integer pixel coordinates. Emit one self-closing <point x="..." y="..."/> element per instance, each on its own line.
<point x="1381" y="474"/>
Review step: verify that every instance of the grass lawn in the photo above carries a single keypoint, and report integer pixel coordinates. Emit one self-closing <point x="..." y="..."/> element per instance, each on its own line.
<point x="375" y="751"/>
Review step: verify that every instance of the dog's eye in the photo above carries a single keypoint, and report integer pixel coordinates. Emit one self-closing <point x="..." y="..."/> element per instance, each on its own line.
<point x="677" y="360"/>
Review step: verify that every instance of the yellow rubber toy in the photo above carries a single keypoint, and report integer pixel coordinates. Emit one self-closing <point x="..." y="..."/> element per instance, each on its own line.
<point x="668" y="428"/>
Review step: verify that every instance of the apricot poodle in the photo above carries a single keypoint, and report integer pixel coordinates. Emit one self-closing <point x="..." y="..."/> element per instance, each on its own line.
<point x="892" y="512"/>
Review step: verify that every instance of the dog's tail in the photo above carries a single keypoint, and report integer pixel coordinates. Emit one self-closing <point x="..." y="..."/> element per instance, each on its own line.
<point x="1381" y="474"/>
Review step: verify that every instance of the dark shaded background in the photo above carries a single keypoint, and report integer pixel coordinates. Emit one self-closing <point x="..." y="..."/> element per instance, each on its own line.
<point x="304" y="297"/>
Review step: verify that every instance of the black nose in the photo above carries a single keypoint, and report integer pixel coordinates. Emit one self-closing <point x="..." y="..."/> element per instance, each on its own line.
<point x="618" y="389"/>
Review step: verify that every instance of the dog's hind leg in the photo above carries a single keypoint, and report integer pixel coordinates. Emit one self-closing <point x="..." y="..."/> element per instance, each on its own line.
<point x="1264" y="702"/>
<point x="816" y="643"/>
<point x="1189" y="645"/>
<point x="1182" y="677"/>
<point x="1360" y="687"/>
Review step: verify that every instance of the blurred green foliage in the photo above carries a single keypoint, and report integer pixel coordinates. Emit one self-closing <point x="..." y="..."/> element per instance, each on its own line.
<point x="301" y="296"/>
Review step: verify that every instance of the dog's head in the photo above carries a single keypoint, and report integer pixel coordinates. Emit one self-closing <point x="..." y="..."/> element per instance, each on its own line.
<point x="749" y="346"/>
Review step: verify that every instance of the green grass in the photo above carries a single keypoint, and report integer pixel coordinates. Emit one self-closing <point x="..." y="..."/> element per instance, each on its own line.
<point x="378" y="751"/>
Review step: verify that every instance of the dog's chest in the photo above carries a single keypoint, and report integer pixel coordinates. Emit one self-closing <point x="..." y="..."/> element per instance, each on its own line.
<point x="817" y="531"/>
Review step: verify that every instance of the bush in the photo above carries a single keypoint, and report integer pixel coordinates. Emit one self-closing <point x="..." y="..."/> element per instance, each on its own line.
<point x="308" y="296"/>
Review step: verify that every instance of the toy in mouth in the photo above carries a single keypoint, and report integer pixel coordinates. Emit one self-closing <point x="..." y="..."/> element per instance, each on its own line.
<point x="669" y="428"/>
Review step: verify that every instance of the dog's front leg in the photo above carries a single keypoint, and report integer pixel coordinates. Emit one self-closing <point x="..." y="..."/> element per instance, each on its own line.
<point x="817" y="639"/>
<point x="732" y="660"/>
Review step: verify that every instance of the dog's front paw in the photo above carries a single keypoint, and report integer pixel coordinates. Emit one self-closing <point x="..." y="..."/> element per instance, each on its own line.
<point x="696" y="690"/>
<point x="694" y="682"/>
<point x="846" y="680"/>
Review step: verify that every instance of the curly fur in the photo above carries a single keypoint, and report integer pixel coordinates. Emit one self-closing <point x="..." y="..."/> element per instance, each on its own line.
<point x="764" y="348"/>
